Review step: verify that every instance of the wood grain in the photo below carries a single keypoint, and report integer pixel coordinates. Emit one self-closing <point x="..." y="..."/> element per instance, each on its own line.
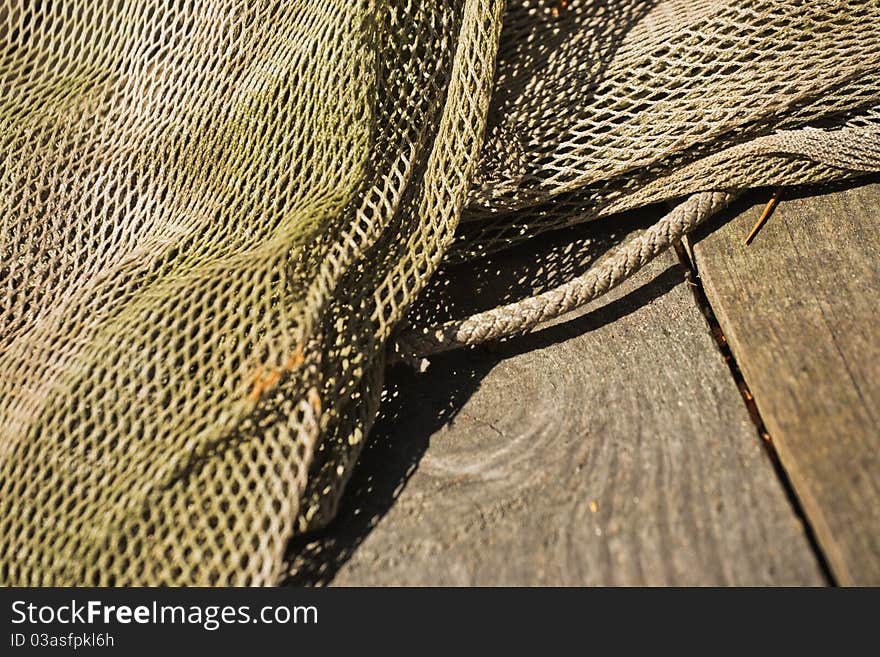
<point x="612" y="448"/>
<point x="800" y="309"/>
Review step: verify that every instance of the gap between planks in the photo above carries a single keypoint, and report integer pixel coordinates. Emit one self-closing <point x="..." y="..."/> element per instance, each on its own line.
<point x="686" y="259"/>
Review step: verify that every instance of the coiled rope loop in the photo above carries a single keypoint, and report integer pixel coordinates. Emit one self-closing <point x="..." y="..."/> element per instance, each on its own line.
<point x="522" y="316"/>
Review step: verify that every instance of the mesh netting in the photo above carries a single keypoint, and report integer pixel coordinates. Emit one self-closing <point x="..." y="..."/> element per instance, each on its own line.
<point x="217" y="217"/>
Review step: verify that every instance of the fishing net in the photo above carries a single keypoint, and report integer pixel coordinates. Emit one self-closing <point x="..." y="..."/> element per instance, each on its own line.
<point x="221" y="219"/>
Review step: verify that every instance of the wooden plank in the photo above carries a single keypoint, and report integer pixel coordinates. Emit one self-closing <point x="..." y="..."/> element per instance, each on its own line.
<point x="612" y="448"/>
<point x="800" y="309"/>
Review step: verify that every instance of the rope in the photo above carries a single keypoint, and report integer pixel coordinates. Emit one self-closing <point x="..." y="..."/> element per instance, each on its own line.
<point x="521" y="316"/>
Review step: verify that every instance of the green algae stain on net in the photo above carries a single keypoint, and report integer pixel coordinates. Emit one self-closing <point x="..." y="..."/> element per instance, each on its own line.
<point x="216" y="224"/>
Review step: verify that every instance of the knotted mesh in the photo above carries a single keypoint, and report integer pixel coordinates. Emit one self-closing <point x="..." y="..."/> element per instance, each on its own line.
<point x="217" y="217"/>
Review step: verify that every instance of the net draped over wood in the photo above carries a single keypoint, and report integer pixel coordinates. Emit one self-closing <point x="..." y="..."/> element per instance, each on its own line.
<point x="218" y="217"/>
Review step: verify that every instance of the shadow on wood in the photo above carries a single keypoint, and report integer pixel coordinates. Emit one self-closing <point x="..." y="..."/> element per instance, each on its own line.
<point x="416" y="406"/>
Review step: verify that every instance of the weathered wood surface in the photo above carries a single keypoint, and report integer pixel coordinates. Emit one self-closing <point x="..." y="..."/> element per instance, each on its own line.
<point x="800" y="310"/>
<point x="613" y="448"/>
